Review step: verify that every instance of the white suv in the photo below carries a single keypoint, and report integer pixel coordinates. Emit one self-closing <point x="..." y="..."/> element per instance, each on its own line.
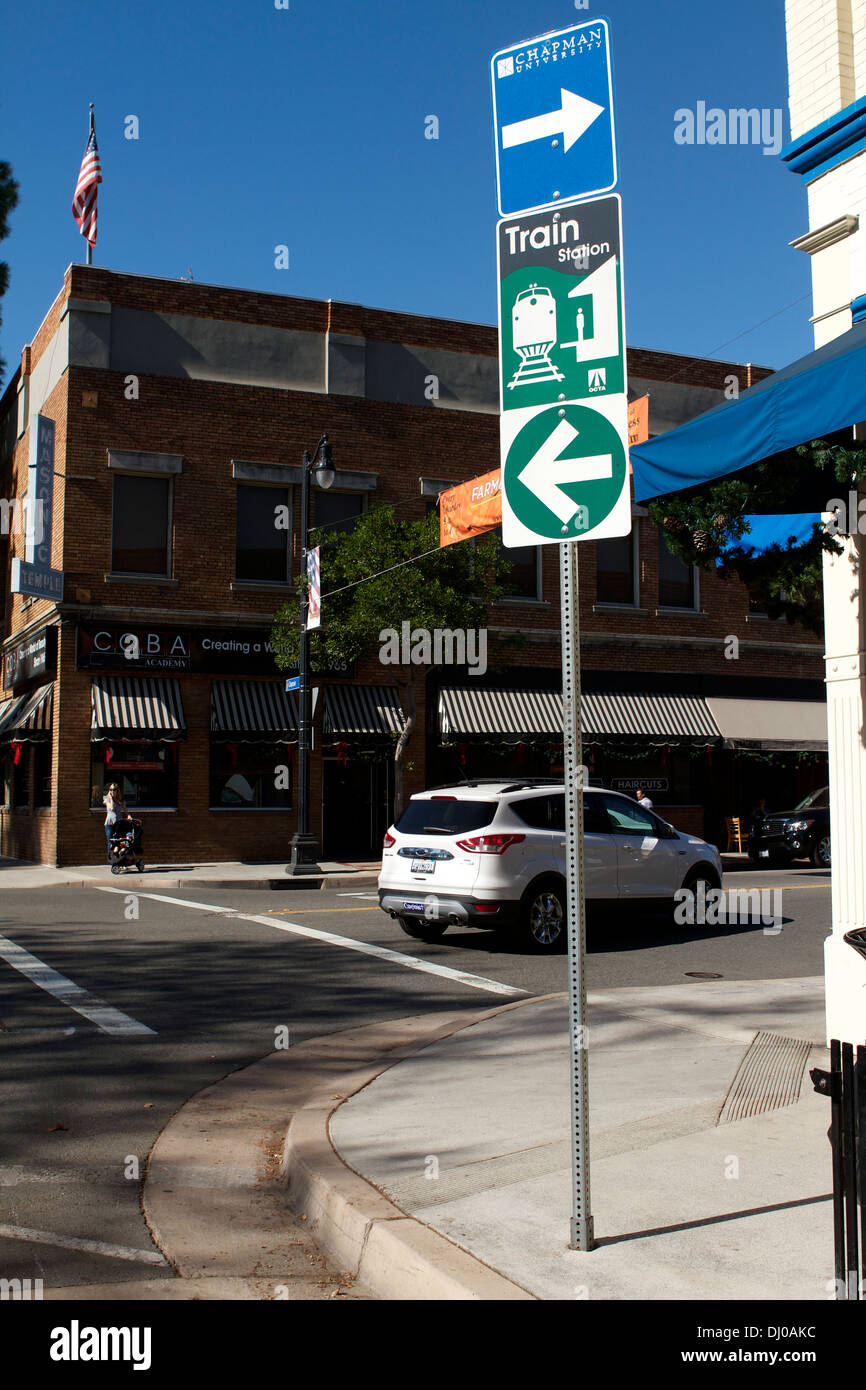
<point x="492" y="854"/>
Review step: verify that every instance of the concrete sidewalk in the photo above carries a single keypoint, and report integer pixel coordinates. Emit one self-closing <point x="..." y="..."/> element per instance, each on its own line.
<point x="19" y="873"/>
<point x="710" y="1164"/>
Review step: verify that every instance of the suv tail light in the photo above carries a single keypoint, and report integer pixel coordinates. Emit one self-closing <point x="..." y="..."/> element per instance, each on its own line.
<point x="389" y="840"/>
<point x="490" y="844"/>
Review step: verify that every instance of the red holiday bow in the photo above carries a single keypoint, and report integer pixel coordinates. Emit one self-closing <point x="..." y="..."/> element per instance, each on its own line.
<point x="342" y="749"/>
<point x="233" y="754"/>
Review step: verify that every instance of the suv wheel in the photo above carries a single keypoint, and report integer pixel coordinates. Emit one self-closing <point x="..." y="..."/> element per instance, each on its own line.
<point x="543" y="916"/>
<point x="421" y="929"/>
<point x="820" y="855"/>
<point x="702" y="874"/>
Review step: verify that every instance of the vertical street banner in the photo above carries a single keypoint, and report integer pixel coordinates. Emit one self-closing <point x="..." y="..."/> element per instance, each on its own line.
<point x="314" y="594"/>
<point x="638" y="420"/>
<point x="563" y="396"/>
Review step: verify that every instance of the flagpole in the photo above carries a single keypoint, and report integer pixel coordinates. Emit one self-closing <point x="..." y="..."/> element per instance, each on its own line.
<point x="92" y="132"/>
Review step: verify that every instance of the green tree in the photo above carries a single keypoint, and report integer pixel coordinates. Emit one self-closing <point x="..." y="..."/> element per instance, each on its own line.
<point x="707" y="526"/>
<point x="8" y="201"/>
<point x="448" y="588"/>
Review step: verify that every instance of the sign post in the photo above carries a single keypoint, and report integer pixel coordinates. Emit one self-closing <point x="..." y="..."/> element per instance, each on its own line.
<point x="563" y="395"/>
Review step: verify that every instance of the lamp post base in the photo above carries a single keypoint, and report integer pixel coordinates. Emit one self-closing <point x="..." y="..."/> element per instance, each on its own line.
<point x="304" y="854"/>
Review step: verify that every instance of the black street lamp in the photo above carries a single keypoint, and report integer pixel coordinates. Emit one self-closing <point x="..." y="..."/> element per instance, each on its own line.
<point x="304" y="844"/>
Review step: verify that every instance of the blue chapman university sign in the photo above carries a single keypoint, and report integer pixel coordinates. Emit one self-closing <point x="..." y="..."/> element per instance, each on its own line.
<point x="34" y="575"/>
<point x="553" y="118"/>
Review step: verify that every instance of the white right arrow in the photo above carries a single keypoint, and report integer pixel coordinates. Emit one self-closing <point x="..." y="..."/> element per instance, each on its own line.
<point x="574" y="117"/>
<point x="547" y="486"/>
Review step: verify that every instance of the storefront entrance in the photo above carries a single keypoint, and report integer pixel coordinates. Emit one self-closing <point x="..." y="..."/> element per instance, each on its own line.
<point x="357" y="800"/>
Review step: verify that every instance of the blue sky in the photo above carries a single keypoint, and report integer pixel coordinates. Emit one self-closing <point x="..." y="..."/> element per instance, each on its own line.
<point x="306" y="127"/>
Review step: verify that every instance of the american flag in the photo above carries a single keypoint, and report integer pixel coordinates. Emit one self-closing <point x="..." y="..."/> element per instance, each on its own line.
<point x="84" y="202"/>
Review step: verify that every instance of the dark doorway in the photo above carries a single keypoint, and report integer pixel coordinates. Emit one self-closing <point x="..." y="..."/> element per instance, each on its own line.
<point x="357" y="804"/>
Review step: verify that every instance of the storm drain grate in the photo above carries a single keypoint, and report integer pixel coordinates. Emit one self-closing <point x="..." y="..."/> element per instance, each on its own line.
<point x="768" y="1078"/>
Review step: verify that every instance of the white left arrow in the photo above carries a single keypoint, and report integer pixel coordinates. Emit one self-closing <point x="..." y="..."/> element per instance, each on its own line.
<point x="574" y="117"/>
<point x="547" y="485"/>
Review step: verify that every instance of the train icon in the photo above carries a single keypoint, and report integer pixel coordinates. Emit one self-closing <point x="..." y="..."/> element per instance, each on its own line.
<point x="533" y="334"/>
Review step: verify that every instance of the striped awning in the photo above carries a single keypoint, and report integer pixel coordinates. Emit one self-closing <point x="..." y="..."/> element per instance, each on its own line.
<point x="141" y="706"/>
<point x="30" y="716"/>
<point x="252" y="710"/>
<point x="6" y="708"/>
<point x="27" y="717"/>
<point x="362" y="709"/>
<point x="527" y="713"/>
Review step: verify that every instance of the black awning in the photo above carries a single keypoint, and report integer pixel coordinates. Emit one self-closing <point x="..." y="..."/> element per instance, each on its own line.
<point x="137" y="708"/>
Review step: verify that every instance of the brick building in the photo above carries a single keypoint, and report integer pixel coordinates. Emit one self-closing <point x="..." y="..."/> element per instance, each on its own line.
<point x="180" y="414"/>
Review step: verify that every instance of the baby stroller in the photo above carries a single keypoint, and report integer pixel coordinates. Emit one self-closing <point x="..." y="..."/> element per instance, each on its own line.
<point x="126" y="849"/>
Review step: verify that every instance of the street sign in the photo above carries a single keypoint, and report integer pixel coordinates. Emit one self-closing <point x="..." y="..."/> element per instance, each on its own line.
<point x="553" y="118"/>
<point x="33" y="575"/>
<point x="293" y="683"/>
<point x="563" y="398"/>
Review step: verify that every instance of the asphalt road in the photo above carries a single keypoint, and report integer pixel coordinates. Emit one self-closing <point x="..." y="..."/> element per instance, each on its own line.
<point x="195" y="990"/>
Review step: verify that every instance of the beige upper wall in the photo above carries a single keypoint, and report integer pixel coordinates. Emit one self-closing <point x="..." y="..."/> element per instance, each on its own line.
<point x="826" y="59"/>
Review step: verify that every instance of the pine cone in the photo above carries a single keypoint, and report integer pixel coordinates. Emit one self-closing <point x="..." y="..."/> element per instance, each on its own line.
<point x="673" y="525"/>
<point x="720" y="522"/>
<point x="703" y="541"/>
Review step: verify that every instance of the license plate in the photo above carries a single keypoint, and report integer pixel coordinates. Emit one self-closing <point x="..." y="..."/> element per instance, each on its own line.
<point x="763" y="854"/>
<point x="423" y="866"/>
<point x="413" y="907"/>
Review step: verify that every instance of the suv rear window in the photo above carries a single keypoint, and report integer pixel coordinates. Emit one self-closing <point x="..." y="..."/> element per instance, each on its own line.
<point x="434" y="817"/>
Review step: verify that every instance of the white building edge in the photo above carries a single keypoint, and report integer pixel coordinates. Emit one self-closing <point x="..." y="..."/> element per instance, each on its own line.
<point x="826" y="41"/>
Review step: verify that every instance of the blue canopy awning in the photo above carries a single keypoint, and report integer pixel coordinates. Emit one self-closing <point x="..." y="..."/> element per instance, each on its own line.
<point x="822" y="392"/>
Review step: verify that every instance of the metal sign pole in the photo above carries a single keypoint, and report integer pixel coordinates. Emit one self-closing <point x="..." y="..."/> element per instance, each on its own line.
<point x="581" y="1221"/>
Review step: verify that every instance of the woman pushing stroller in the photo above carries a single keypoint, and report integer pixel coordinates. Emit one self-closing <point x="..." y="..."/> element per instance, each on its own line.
<point x="122" y="832"/>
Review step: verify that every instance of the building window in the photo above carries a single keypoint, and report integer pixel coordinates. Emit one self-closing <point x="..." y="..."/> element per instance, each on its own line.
<point x="141" y="525"/>
<point x="677" y="580"/>
<point x="250" y="776"/>
<point x="262" y="537"/>
<point x="338" y="511"/>
<point x="145" y="772"/>
<point x="615" y="570"/>
<point x="19" y="761"/>
<point x="524" y="580"/>
<point x="43" y="773"/>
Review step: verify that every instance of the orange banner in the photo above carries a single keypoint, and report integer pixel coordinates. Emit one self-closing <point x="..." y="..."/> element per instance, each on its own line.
<point x="638" y="420"/>
<point x="470" y="509"/>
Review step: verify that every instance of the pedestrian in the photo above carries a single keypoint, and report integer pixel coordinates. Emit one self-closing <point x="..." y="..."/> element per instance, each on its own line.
<point x="115" y="810"/>
<point x="758" y="814"/>
<point x="643" y="799"/>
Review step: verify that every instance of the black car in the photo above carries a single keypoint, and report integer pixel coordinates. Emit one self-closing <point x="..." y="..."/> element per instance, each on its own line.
<point x="803" y="833"/>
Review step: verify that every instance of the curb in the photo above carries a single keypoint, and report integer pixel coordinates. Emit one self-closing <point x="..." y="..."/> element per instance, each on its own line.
<point x="273" y="885"/>
<point x="215" y="1192"/>
<point x="395" y="1255"/>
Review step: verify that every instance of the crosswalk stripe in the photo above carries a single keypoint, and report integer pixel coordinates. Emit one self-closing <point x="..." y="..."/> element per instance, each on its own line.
<point x="90" y="1247"/>
<point x="366" y="948"/>
<point x="106" y="1018"/>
